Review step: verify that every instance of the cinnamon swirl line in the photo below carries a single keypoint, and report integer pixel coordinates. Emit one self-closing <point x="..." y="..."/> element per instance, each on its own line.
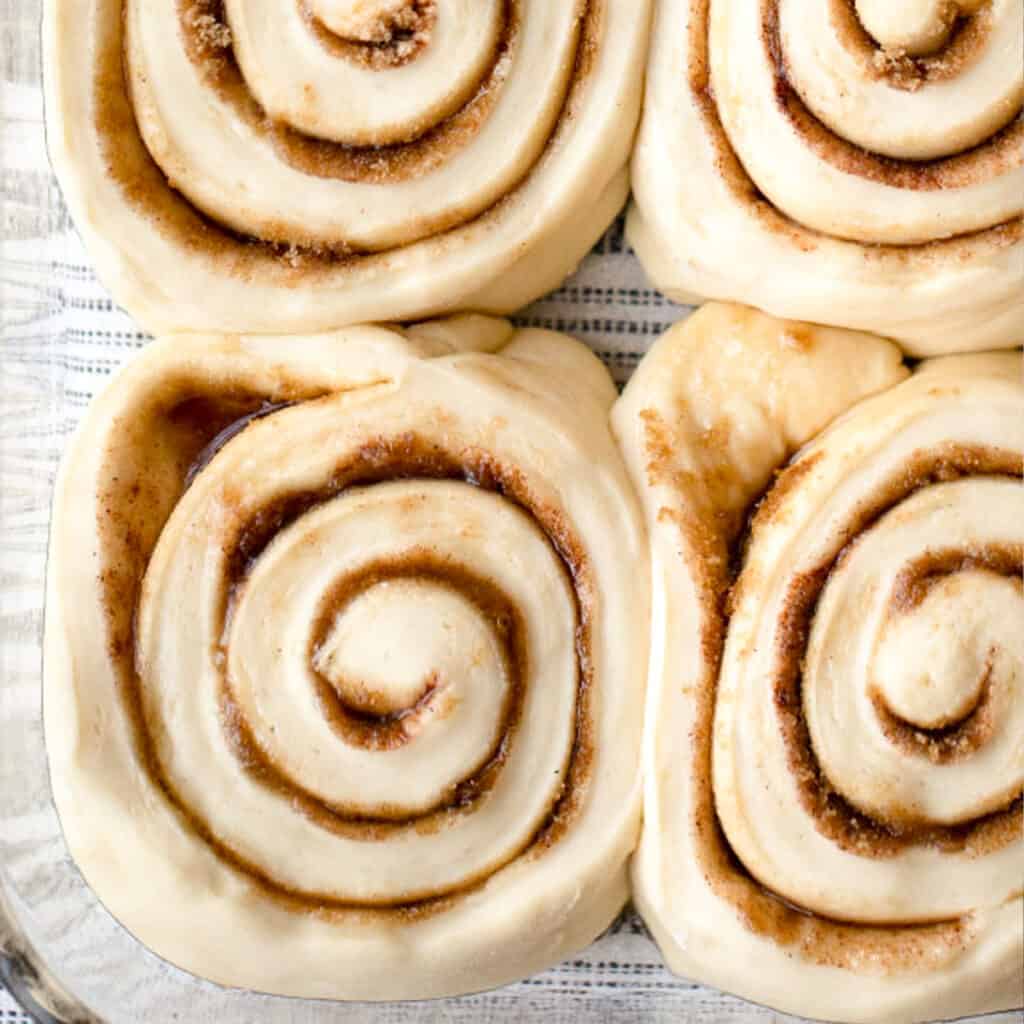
<point x="301" y="178"/>
<point x="833" y="802"/>
<point x="823" y="160"/>
<point x="349" y="667"/>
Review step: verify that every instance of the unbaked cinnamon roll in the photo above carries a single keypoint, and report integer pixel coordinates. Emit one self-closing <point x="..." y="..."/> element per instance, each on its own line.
<point x="848" y="162"/>
<point x="345" y="656"/>
<point x="299" y="165"/>
<point x="834" y="755"/>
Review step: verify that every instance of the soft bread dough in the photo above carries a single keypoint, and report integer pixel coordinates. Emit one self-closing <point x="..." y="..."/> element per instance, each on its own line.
<point x="788" y="160"/>
<point x="834" y="754"/>
<point x="344" y="699"/>
<point x="264" y="173"/>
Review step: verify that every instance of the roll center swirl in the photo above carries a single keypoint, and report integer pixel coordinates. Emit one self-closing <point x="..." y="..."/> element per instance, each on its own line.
<point x="914" y="27"/>
<point x="379" y="651"/>
<point x="394" y="655"/>
<point x="934" y="675"/>
<point x="371" y="21"/>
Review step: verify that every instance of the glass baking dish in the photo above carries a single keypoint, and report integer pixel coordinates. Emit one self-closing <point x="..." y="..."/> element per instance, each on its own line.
<point x="62" y="957"/>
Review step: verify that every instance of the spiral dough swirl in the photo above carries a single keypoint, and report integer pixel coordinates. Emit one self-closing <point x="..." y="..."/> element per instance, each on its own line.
<point x="866" y="157"/>
<point x="295" y="166"/>
<point x="340" y="644"/>
<point x="835" y="756"/>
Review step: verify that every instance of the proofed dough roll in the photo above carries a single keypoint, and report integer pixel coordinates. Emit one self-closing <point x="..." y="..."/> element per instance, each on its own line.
<point x="263" y="166"/>
<point x="850" y="163"/>
<point x="345" y="655"/>
<point x="834" y="752"/>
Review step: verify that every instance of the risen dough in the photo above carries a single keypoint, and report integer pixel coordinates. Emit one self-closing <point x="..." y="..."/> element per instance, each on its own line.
<point x="789" y="160"/>
<point x="261" y="166"/>
<point x="834" y="754"/>
<point x="344" y="656"/>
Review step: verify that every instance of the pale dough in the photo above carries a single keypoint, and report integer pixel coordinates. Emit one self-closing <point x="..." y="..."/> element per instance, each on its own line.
<point x="261" y="171"/>
<point x="788" y="160"/>
<point x="834" y="754"/>
<point x="349" y="703"/>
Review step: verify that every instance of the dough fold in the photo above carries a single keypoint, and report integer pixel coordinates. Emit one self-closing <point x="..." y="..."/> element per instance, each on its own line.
<point x="791" y="160"/>
<point x="344" y="659"/>
<point x="259" y="166"/>
<point x="834" y="749"/>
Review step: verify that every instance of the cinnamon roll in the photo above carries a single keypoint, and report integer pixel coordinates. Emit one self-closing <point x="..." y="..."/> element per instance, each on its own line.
<point x="301" y="165"/>
<point x="834" y="753"/>
<point x="344" y="656"/>
<point x="865" y="158"/>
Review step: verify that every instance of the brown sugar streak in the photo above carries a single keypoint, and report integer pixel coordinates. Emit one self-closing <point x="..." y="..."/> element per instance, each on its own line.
<point x="817" y="939"/>
<point x="917" y="578"/>
<point x="833" y="816"/>
<point x="948" y="743"/>
<point x="279" y="256"/>
<point x="747" y="193"/>
<point x="132" y="513"/>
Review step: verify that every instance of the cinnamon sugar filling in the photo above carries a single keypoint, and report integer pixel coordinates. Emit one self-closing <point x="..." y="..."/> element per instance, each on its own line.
<point x="132" y="514"/>
<point x="834" y="817"/>
<point x="965" y="43"/>
<point x="322" y="158"/>
<point x="989" y="159"/>
<point x="978" y="164"/>
<point x="393" y="42"/>
<point x="278" y="253"/>
<point x="708" y="548"/>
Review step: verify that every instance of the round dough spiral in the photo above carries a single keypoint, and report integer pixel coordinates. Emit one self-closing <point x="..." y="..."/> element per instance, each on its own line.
<point x="295" y="166"/>
<point x="873" y="181"/>
<point x="345" y="643"/>
<point x="834" y="753"/>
